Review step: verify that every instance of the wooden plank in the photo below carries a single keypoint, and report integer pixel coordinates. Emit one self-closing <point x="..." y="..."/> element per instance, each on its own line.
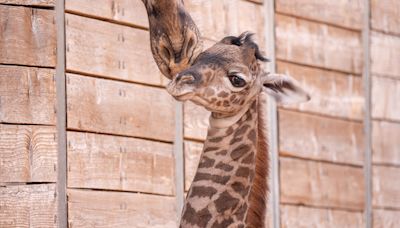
<point x="341" y="13"/>
<point x="100" y="105"/>
<point x="120" y="163"/>
<point x="29" y="2"/>
<point x="385" y="15"/>
<point x="28" y="206"/>
<point x="321" y="184"/>
<point x="117" y="209"/>
<point x="386" y="186"/>
<point x="305" y="217"/>
<point x="110" y="50"/>
<point x="385" y="142"/>
<point x="320" y="138"/>
<point x="196" y="121"/>
<point x="385" y="94"/>
<point x="27" y="95"/>
<point x="126" y="11"/>
<point x="217" y="19"/>
<point x="385" y="55"/>
<point x="192" y="153"/>
<point x="332" y="93"/>
<point x="28" y="36"/>
<point x="317" y="44"/>
<point x="386" y="218"/>
<point x="28" y="153"/>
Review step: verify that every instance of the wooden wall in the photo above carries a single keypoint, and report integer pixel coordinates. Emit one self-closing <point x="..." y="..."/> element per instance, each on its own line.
<point x="121" y="163"/>
<point x="385" y="69"/>
<point x="120" y="155"/>
<point x="28" y="140"/>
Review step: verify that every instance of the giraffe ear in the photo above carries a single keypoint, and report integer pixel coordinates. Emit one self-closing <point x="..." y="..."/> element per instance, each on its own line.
<point x="283" y="88"/>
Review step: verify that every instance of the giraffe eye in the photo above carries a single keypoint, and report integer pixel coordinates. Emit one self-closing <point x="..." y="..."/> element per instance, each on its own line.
<point x="237" y="81"/>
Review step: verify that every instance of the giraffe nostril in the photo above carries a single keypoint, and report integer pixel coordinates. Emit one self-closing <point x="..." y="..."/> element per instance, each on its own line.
<point x="186" y="78"/>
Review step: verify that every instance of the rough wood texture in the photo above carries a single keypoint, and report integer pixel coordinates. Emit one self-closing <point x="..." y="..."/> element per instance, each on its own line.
<point x="27" y="95"/>
<point x="192" y="157"/>
<point x="217" y="19"/>
<point x="28" y="153"/>
<point x="320" y="138"/>
<point x="342" y="13"/>
<point x="386" y="218"/>
<point x="110" y="50"/>
<point x="120" y="163"/>
<point x="385" y="55"/>
<point x="100" y="105"/>
<point x="131" y="12"/>
<point x="386" y="186"/>
<point x="385" y="142"/>
<point x="116" y="209"/>
<point x="318" y="45"/>
<point x="196" y="121"/>
<point x="385" y="98"/>
<point x="321" y="184"/>
<point x="305" y="217"/>
<point x="333" y="94"/>
<point x="385" y="15"/>
<point x="29" y="2"/>
<point x="28" y="36"/>
<point x="26" y="206"/>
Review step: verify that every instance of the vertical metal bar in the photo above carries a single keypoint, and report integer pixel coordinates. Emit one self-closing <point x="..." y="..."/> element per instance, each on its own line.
<point x="179" y="159"/>
<point x="367" y="115"/>
<point x="61" y="117"/>
<point x="272" y="116"/>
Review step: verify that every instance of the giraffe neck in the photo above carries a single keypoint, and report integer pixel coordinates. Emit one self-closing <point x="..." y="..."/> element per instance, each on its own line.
<point x="222" y="193"/>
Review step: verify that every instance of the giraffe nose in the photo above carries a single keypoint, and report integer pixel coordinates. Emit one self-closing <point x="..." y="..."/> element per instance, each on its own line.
<point x="186" y="78"/>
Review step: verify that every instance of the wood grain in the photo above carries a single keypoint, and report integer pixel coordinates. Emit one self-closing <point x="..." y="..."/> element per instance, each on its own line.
<point x="110" y="50"/>
<point x="385" y="15"/>
<point x="386" y="218"/>
<point x="28" y="206"/>
<point x="332" y="93"/>
<point x="386" y="186"/>
<point x="196" y="121"/>
<point x="317" y="44"/>
<point x="321" y="184"/>
<point x="192" y="157"/>
<point x="320" y="138"/>
<point x="29" y="2"/>
<point x="385" y="98"/>
<point x="28" y="153"/>
<point x="131" y="12"/>
<point x="217" y="19"/>
<point x="385" y="55"/>
<point x="117" y="209"/>
<point x="385" y="142"/>
<point x="112" y="107"/>
<point x="120" y="163"/>
<point x="341" y="13"/>
<point x="306" y="217"/>
<point x="27" y="95"/>
<point x="28" y="36"/>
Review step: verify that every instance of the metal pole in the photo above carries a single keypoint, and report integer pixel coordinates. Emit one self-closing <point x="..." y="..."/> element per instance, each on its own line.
<point x="61" y="117"/>
<point x="367" y="116"/>
<point x="272" y="116"/>
<point x="179" y="158"/>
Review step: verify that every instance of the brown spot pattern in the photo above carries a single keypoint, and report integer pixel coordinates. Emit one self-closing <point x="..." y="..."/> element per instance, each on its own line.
<point x="224" y="166"/>
<point x="225" y="202"/>
<point x="200" y="218"/>
<point x="225" y="223"/>
<point x="243" y="172"/>
<point x="214" y="178"/>
<point x="240" y="151"/>
<point x="206" y="162"/>
<point x="202" y="191"/>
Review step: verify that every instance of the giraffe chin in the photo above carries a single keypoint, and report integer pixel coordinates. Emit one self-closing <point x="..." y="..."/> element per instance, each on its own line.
<point x="184" y="96"/>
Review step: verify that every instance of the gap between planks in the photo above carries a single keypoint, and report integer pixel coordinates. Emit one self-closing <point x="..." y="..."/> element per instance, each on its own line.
<point x="315" y="114"/>
<point x="29" y="6"/>
<point x="318" y="21"/>
<point x="117" y="191"/>
<point x="322" y="207"/>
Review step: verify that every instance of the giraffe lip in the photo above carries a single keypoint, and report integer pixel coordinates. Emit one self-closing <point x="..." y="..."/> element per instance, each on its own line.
<point x="184" y="96"/>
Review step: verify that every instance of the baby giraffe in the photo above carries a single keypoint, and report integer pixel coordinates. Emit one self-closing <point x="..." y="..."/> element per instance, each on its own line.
<point x="230" y="186"/>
